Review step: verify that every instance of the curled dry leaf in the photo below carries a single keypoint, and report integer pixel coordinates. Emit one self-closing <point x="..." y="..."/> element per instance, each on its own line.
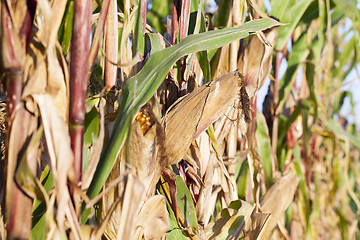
<point x="204" y="209"/>
<point x="168" y="94"/>
<point x="58" y="147"/>
<point x="45" y="66"/>
<point x="95" y="155"/>
<point x="257" y="225"/>
<point x="279" y="197"/>
<point x="153" y="219"/>
<point x="52" y="14"/>
<point x="192" y="114"/>
<point x="122" y="224"/>
<point x="255" y="60"/>
<point x="55" y="83"/>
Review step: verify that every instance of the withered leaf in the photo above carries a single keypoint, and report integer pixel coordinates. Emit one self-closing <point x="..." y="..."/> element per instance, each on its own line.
<point x="153" y="218"/>
<point x="255" y="60"/>
<point x="192" y="114"/>
<point x="145" y="151"/>
<point x="279" y="197"/>
<point x="130" y="196"/>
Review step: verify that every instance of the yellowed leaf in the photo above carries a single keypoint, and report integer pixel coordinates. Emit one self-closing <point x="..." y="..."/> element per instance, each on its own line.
<point x="192" y="114"/>
<point x="52" y="14"/>
<point x="153" y="218"/>
<point x="256" y="227"/>
<point x="256" y="59"/>
<point x="58" y="147"/>
<point x="96" y="152"/>
<point x="122" y="223"/>
<point x="279" y="197"/>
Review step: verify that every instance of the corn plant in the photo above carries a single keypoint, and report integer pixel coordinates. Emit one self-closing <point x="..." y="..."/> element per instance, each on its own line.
<point x="138" y="120"/>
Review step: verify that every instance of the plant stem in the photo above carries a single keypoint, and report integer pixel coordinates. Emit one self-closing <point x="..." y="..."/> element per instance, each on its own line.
<point x="79" y="68"/>
<point x="18" y="206"/>
<point x="111" y="46"/>
<point x="274" y="136"/>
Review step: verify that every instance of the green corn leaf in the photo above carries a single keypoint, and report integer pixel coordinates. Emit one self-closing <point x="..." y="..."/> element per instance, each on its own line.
<point x="263" y="143"/>
<point x="288" y="11"/>
<point x="39" y="208"/>
<point x="186" y="204"/>
<point x="242" y="179"/>
<point x="298" y="56"/>
<point x="65" y="29"/>
<point x="338" y="130"/>
<point x="155" y="42"/>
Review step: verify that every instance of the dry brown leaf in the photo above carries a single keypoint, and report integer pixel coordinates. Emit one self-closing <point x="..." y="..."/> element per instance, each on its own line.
<point x="45" y="68"/>
<point x="123" y="221"/>
<point x="52" y="14"/>
<point x="256" y="226"/>
<point x="221" y="61"/>
<point x="256" y="59"/>
<point x="58" y="147"/>
<point x="125" y="47"/>
<point x="204" y="143"/>
<point x="24" y="176"/>
<point x="153" y="219"/>
<point x="188" y="117"/>
<point x="204" y="209"/>
<point x="279" y="197"/>
<point x="55" y="83"/>
<point x="96" y="152"/>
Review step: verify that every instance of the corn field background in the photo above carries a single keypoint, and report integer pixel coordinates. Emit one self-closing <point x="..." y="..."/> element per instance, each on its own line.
<point x="139" y="119"/>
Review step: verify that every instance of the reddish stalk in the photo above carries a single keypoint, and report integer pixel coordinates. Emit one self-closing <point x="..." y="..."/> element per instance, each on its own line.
<point x="79" y="68"/>
<point x="174" y="23"/>
<point x="13" y="48"/>
<point x="144" y="4"/>
<point x="184" y="19"/>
